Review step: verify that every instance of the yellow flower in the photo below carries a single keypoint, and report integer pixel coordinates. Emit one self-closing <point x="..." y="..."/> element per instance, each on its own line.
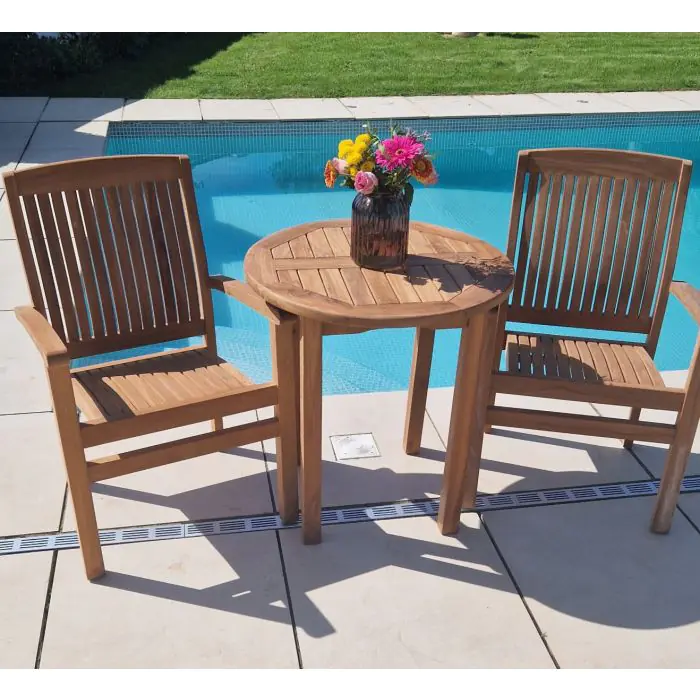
<point x="363" y="141"/>
<point x="354" y="157"/>
<point x="367" y="166"/>
<point x="344" y="147"/>
<point x="352" y="171"/>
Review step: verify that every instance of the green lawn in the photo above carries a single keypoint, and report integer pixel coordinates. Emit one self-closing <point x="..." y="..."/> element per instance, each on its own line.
<point x="337" y="65"/>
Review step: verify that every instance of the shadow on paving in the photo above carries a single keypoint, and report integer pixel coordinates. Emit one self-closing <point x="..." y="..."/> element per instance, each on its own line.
<point x="173" y="57"/>
<point x="617" y="553"/>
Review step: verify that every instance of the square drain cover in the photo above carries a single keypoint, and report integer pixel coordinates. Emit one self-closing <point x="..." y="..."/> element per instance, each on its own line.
<point x="354" y="446"/>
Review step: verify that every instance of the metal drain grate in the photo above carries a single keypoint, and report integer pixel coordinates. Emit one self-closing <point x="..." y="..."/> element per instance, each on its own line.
<point x="337" y="516"/>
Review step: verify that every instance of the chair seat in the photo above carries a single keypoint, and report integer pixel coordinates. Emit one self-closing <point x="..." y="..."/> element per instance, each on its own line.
<point x="130" y="388"/>
<point x="580" y="360"/>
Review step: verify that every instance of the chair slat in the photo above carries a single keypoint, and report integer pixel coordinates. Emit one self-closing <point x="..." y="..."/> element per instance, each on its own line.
<point x="550" y="232"/>
<point x="92" y="237"/>
<point x="106" y="241"/>
<point x="185" y="247"/>
<point x="149" y="256"/>
<point x="176" y="269"/>
<point x="25" y="247"/>
<point x="160" y="247"/>
<point x="136" y="253"/>
<point x="580" y="193"/>
<point x="126" y="267"/>
<point x="43" y="262"/>
<point x="630" y="263"/>
<point x="622" y="251"/>
<point x="645" y="247"/>
<point x="608" y="246"/>
<point x="582" y="255"/>
<point x="660" y="231"/>
<point x="75" y="277"/>
<point x="526" y="238"/>
<point x="537" y="236"/>
<point x="596" y="248"/>
<point x="562" y="237"/>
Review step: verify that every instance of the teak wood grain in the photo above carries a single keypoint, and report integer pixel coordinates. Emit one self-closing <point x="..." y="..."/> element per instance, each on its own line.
<point x="307" y="270"/>
<point x="114" y="257"/>
<point x="595" y="237"/>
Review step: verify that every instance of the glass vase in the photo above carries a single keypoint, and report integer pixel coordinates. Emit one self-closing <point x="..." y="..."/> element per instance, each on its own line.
<point x="379" y="230"/>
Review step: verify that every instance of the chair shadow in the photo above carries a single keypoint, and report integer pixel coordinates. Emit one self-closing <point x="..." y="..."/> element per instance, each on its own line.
<point x="344" y="555"/>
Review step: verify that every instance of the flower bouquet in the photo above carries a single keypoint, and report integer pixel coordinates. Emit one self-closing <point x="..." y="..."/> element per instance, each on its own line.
<point x="380" y="171"/>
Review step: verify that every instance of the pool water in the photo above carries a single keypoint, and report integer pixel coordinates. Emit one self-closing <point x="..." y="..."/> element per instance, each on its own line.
<point x="252" y="179"/>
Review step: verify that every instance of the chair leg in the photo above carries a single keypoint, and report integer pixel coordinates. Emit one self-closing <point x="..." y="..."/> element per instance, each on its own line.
<point x="500" y="346"/>
<point x="634" y="416"/>
<point x="674" y="469"/>
<point x="217" y="424"/>
<point x="418" y="389"/>
<point x="76" y="471"/>
<point x="285" y="370"/>
<point x="679" y="451"/>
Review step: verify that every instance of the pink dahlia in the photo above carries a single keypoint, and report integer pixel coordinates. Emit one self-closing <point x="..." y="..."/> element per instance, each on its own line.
<point x="398" y="152"/>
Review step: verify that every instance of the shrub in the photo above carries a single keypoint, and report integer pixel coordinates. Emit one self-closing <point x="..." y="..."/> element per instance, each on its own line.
<point x="29" y="61"/>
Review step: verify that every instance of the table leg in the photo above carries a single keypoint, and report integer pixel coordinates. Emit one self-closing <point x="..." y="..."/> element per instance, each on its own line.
<point x="471" y="394"/>
<point x="418" y="389"/>
<point x="285" y="372"/>
<point x="310" y="414"/>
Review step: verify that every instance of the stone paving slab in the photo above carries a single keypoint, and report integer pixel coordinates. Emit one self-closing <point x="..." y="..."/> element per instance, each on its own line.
<point x="32" y="476"/>
<point x="391" y="476"/>
<point x="319" y="108"/>
<point x="584" y="102"/>
<point x="23" y="384"/>
<point x="243" y="110"/>
<point x="382" y="107"/>
<point x="21" y="109"/>
<point x="68" y="109"/>
<point x="193" y="603"/>
<point x="13" y="285"/>
<point x="605" y="591"/>
<point x="650" y="102"/>
<point x="7" y="231"/>
<point x="518" y="104"/>
<point x="397" y="594"/>
<point x="24" y="581"/>
<point x="162" y="110"/>
<point x="65" y="135"/>
<point x="446" y="106"/>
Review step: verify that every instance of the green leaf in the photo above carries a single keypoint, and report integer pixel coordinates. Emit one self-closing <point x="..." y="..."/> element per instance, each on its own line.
<point x="408" y="190"/>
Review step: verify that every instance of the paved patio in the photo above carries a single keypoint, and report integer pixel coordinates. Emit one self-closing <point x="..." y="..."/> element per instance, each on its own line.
<point x="580" y="584"/>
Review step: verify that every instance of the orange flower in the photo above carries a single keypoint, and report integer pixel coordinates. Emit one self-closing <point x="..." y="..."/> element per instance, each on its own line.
<point x="423" y="170"/>
<point x="330" y="174"/>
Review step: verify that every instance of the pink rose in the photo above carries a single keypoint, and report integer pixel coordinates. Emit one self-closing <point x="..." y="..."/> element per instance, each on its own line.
<point x="366" y="183"/>
<point x="340" y="165"/>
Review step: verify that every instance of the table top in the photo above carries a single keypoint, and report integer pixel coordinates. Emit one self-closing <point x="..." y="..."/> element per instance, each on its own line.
<point x="307" y="270"/>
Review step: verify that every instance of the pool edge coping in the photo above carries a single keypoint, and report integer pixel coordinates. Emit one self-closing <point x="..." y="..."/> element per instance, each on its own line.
<point x="362" y="108"/>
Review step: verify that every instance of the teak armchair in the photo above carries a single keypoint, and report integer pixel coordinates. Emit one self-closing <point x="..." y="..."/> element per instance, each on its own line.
<point x="594" y="237"/>
<point x="114" y="258"/>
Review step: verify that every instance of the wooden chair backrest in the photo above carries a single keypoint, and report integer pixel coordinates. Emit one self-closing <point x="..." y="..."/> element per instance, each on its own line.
<point x="113" y="251"/>
<point x="594" y="237"/>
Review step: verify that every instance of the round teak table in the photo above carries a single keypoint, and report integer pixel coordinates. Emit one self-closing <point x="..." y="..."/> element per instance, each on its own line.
<point x="451" y="280"/>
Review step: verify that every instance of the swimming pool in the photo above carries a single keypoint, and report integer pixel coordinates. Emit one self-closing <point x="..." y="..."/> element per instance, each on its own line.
<point x="253" y="178"/>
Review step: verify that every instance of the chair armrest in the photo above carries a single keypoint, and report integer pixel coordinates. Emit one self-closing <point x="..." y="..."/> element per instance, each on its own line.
<point x="47" y="341"/>
<point x="243" y="293"/>
<point x="689" y="296"/>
